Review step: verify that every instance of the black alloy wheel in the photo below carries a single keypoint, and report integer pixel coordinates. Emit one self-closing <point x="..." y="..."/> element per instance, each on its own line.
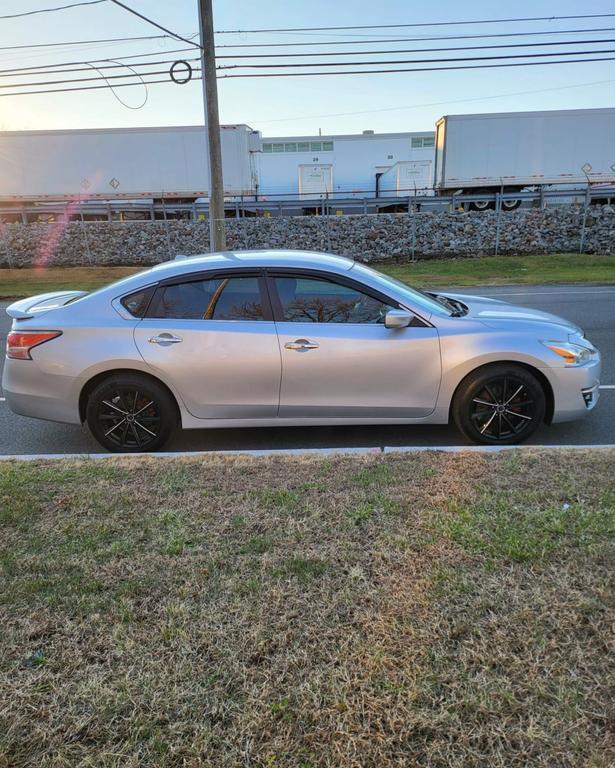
<point x="500" y="405"/>
<point x="129" y="414"/>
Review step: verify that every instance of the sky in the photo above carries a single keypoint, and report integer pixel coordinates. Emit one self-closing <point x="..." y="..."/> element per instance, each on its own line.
<point x="410" y="101"/>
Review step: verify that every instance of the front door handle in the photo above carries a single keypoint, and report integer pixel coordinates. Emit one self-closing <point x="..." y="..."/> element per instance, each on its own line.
<point x="301" y="344"/>
<point x="164" y="339"/>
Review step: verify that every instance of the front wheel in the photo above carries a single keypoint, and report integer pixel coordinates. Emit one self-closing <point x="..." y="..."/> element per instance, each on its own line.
<point x="499" y="405"/>
<point x="129" y="413"/>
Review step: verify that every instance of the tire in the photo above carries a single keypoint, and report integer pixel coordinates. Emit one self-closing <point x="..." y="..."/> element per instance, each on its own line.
<point x="510" y="205"/>
<point x="499" y="404"/>
<point x="131" y="413"/>
<point x="482" y="205"/>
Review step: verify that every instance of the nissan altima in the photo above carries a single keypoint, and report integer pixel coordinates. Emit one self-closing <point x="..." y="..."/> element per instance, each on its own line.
<point x="289" y="338"/>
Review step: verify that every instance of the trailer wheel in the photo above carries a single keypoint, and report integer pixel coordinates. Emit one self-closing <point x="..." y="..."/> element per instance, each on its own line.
<point x="481" y="205"/>
<point x="510" y="205"/>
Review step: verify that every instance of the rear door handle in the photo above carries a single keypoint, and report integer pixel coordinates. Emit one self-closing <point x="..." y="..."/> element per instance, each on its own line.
<point x="301" y="344"/>
<point x="165" y="339"/>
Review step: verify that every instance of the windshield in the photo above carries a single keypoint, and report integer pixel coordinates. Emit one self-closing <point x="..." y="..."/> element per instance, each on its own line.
<point x="417" y="298"/>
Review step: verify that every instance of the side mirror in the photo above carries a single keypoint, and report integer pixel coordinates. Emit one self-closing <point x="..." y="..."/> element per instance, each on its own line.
<point x="397" y="318"/>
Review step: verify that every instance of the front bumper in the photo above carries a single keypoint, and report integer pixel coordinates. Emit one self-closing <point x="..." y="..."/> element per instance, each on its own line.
<point x="576" y="390"/>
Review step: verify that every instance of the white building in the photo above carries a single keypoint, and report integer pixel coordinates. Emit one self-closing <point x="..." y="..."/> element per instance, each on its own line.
<point x="346" y="165"/>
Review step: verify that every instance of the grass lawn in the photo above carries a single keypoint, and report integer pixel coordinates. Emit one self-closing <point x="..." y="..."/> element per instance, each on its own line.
<point x="488" y="270"/>
<point x="441" y="610"/>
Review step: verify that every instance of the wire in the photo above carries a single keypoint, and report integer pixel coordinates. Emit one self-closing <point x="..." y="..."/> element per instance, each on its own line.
<point x="92" y="87"/>
<point x="294" y="44"/>
<point x="123" y="103"/>
<point x="81" y="79"/>
<point x="84" y="42"/>
<point x="434" y="103"/>
<point x="116" y="64"/>
<point x="410" y="50"/>
<point x="51" y="10"/>
<point x="421" y="24"/>
<point x="418" y="39"/>
<point x="282" y="74"/>
<point x="415" y="69"/>
<point x="155" y="24"/>
<point x="52" y="69"/>
<point x="412" y="61"/>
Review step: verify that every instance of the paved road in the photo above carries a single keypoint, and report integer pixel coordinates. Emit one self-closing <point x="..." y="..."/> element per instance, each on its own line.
<point x="592" y="307"/>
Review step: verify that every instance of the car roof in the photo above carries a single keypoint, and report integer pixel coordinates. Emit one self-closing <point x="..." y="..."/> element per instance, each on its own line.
<point x="254" y="258"/>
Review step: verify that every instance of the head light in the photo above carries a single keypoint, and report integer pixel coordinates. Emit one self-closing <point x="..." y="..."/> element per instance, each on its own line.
<point x="572" y="354"/>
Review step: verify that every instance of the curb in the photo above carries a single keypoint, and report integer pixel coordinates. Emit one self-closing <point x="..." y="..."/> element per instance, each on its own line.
<point x="306" y="452"/>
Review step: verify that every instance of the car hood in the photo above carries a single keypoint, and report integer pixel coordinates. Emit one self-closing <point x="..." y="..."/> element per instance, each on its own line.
<point x="495" y="313"/>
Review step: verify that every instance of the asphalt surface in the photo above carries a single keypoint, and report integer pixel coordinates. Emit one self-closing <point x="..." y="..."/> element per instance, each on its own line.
<point x="591" y="307"/>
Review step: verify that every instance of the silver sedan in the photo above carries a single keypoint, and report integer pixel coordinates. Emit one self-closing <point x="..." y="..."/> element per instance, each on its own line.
<point x="289" y="338"/>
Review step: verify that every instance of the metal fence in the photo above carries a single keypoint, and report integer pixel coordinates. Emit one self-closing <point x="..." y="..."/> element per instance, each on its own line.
<point x="293" y="204"/>
<point x="331" y="205"/>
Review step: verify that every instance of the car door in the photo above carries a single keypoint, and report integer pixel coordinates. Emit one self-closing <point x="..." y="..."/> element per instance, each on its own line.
<point x="338" y="358"/>
<point x="213" y="337"/>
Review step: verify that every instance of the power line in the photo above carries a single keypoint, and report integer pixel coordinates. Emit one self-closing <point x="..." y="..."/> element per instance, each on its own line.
<point x="155" y="24"/>
<point x="106" y="64"/>
<point x="412" y="61"/>
<point x="434" y="103"/>
<point x="411" y="50"/>
<point x="418" y="39"/>
<point x="52" y="69"/>
<point x="82" y="79"/>
<point x="51" y="10"/>
<point x="196" y="76"/>
<point x="421" y="24"/>
<point x="117" y="98"/>
<point x="416" y="69"/>
<point x="93" y="87"/>
<point x="82" y="42"/>
<point x="123" y="60"/>
<point x="97" y="41"/>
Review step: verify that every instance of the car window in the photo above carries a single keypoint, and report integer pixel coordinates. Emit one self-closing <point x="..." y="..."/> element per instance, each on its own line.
<point x="223" y="298"/>
<point x="136" y="303"/>
<point x="316" y="300"/>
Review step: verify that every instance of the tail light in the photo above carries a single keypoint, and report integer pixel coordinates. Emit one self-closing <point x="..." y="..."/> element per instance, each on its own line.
<point x="20" y="343"/>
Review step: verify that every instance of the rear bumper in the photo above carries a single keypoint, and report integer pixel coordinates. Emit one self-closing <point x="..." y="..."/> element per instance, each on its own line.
<point x="576" y="391"/>
<point x="29" y="392"/>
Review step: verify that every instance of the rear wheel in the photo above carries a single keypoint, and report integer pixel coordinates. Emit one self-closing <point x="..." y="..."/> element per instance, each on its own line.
<point x="130" y="414"/>
<point x="482" y="205"/>
<point x="499" y="405"/>
<point x="510" y="205"/>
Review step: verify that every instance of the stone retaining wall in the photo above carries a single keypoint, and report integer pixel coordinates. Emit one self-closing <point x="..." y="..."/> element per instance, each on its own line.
<point x="369" y="237"/>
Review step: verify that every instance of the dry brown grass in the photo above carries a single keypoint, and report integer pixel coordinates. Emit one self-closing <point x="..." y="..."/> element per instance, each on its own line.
<point x="431" y="610"/>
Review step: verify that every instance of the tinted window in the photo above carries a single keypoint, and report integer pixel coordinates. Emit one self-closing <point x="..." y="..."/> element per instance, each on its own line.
<point x="307" y="299"/>
<point x="224" y="298"/>
<point x="136" y="303"/>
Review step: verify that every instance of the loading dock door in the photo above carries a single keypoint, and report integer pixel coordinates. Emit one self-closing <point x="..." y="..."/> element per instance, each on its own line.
<point x="315" y="180"/>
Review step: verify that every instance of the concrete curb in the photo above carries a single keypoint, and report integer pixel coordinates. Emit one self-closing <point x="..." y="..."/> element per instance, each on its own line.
<point x="306" y="452"/>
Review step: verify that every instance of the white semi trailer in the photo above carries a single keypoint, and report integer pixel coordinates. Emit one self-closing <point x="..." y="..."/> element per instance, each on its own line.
<point x="513" y="151"/>
<point x="127" y="163"/>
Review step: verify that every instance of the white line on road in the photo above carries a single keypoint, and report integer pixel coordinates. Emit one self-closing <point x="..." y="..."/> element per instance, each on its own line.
<point x="2" y="399"/>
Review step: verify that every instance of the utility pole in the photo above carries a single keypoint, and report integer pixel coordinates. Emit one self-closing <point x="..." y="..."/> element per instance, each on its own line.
<point x="217" y="235"/>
